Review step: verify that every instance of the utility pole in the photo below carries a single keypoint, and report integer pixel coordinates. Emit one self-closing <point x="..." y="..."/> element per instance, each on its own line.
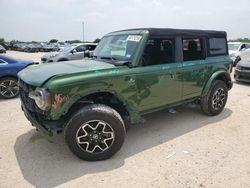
<point x="83" y="31"/>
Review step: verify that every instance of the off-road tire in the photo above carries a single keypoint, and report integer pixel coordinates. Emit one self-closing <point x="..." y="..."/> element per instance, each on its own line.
<point x="90" y="113"/>
<point x="207" y="101"/>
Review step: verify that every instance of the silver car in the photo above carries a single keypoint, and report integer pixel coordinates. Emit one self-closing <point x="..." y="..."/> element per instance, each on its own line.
<point x="72" y="52"/>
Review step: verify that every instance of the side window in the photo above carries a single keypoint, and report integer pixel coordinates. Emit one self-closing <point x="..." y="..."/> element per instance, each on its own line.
<point x="192" y="49"/>
<point x="243" y="46"/>
<point x="158" y="51"/>
<point x="217" y="46"/>
<point x="91" y="47"/>
<point x="80" y="48"/>
<point x="2" y="62"/>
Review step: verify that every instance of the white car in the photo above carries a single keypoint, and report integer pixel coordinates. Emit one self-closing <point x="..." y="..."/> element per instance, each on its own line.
<point x="73" y="52"/>
<point x="235" y="49"/>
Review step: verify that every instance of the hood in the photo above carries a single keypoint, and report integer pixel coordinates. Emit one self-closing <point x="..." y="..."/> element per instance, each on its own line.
<point x="51" y="54"/>
<point x="38" y="74"/>
<point x="232" y="52"/>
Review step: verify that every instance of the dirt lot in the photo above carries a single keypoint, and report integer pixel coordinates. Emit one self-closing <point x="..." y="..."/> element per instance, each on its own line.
<point x="209" y="151"/>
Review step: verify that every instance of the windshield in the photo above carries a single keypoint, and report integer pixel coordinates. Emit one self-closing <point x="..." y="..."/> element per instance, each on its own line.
<point x="117" y="47"/>
<point x="66" y="48"/>
<point x="233" y="47"/>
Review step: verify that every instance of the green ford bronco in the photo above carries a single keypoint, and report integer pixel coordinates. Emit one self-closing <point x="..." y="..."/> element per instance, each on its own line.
<point x="132" y="73"/>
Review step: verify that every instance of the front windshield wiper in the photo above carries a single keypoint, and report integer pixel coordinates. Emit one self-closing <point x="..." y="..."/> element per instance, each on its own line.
<point x="114" y="61"/>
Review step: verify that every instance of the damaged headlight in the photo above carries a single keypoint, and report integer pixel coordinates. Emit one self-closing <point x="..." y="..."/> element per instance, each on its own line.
<point x="41" y="97"/>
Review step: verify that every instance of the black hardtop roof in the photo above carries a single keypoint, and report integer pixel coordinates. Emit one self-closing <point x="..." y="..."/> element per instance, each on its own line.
<point x="181" y="32"/>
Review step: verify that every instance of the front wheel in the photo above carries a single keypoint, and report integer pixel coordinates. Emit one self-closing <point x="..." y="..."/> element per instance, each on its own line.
<point x="96" y="132"/>
<point x="214" y="102"/>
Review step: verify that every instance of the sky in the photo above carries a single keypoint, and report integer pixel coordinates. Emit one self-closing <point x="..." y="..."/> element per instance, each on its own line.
<point x="42" y="20"/>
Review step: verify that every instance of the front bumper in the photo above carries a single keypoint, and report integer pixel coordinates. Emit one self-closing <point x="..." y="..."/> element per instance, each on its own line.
<point x="242" y="75"/>
<point x="33" y="120"/>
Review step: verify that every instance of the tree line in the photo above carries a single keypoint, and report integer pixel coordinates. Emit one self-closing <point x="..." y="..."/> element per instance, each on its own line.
<point x="2" y="40"/>
<point x="247" y="40"/>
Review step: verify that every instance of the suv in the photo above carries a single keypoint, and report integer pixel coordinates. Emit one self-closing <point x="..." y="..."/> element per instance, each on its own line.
<point x="235" y="49"/>
<point x="73" y="52"/>
<point x="132" y="73"/>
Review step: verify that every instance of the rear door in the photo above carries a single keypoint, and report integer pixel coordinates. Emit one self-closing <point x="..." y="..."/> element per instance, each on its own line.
<point x="193" y="66"/>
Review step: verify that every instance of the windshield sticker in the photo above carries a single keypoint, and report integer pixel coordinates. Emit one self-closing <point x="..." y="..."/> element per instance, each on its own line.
<point x="135" y="38"/>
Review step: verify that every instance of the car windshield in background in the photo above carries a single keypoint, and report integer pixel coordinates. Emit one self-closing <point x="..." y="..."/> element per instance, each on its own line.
<point x="117" y="47"/>
<point x="67" y="48"/>
<point x="233" y="47"/>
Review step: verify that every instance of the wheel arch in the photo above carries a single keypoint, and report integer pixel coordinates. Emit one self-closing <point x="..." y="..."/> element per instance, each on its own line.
<point x="9" y="76"/>
<point x="219" y="75"/>
<point x="109" y="98"/>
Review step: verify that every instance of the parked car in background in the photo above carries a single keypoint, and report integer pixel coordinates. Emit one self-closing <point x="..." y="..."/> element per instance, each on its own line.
<point x="2" y="49"/>
<point x="132" y="73"/>
<point x="242" y="70"/>
<point x="20" y="47"/>
<point x="9" y="67"/>
<point x="72" y="52"/>
<point x="31" y="48"/>
<point x="235" y="49"/>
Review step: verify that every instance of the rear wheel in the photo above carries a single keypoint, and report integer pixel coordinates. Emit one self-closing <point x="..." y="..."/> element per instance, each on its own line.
<point x="96" y="132"/>
<point x="8" y="88"/>
<point x="214" y="102"/>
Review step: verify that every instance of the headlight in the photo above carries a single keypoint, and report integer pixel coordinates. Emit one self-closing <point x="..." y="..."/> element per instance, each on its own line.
<point x="41" y="97"/>
<point x="53" y="55"/>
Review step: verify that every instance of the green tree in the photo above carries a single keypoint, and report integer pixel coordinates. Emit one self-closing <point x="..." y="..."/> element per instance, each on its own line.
<point x="96" y="40"/>
<point x="73" y="41"/>
<point x="53" y="41"/>
<point x="2" y="40"/>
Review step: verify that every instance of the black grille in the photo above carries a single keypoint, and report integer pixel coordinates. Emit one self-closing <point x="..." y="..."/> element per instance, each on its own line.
<point x="29" y="103"/>
<point x="24" y="95"/>
<point x="245" y="68"/>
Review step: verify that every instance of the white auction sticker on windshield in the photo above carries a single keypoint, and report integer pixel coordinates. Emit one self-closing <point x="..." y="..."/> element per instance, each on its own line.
<point x="135" y="38"/>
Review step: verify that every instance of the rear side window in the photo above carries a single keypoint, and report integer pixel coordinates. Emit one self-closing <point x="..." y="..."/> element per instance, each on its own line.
<point x="192" y="49"/>
<point x="217" y="46"/>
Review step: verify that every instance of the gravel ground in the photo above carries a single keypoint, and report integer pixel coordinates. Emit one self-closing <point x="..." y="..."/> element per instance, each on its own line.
<point x="182" y="149"/>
